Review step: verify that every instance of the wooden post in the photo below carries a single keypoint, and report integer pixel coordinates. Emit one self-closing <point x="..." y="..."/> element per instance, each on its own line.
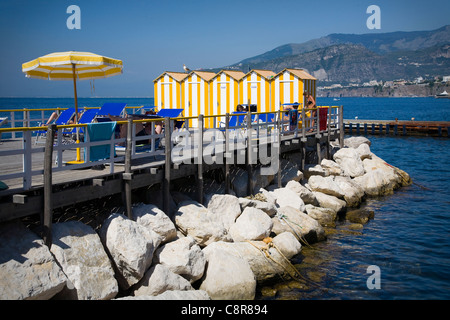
<point x="167" y="166"/>
<point x="303" y="140"/>
<point x="127" y="174"/>
<point x="318" y="136"/>
<point x="279" y="124"/>
<point x="341" y="126"/>
<point x="329" y="133"/>
<point x="227" y="154"/>
<point x="249" y="154"/>
<point x="365" y="129"/>
<point x="47" y="218"/>
<point x="200" y="160"/>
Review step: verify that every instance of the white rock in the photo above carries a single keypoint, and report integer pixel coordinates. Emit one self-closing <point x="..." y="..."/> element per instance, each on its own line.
<point x="355" y="142"/>
<point x="252" y="224"/>
<point x="254" y="252"/>
<point x="288" y="244"/>
<point x="364" y="151"/>
<point x="224" y="208"/>
<point x="286" y="197"/>
<point x="183" y="257"/>
<point x="304" y="193"/>
<point x="130" y="245"/>
<point x="302" y="226"/>
<point x="325" y="185"/>
<point x="353" y="192"/>
<point x="289" y="171"/>
<point x="268" y="207"/>
<point x="158" y="279"/>
<point x="331" y="167"/>
<point x="195" y="220"/>
<point x="349" y="161"/>
<point x="324" y="216"/>
<point x="227" y="277"/>
<point x="151" y="217"/>
<point x="80" y="253"/>
<point x="331" y="202"/>
<point x="314" y="169"/>
<point x="28" y="270"/>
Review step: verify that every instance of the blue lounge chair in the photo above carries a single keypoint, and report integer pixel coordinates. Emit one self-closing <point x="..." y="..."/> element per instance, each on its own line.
<point x="172" y="113"/>
<point x="62" y="119"/>
<point x="110" y="108"/>
<point x="87" y="117"/>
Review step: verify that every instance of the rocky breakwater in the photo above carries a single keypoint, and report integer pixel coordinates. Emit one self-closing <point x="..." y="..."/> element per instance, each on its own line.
<point x="220" y="250"/>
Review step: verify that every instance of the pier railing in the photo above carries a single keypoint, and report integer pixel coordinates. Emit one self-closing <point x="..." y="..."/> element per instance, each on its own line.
<point x="23" y="160"/>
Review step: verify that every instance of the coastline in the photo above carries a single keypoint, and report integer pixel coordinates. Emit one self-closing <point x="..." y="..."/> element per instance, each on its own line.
<point x="405" y="91"/>
<point x="317" y="203"/>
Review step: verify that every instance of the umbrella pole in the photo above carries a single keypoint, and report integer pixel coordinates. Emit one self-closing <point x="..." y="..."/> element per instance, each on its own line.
<point x="78" y="160"/>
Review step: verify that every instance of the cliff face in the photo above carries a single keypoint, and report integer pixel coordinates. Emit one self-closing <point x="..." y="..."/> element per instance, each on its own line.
<point x="378" y="91"/>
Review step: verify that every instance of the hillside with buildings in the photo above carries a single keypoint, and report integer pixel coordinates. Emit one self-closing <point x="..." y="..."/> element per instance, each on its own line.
<point x="380" y="64"/>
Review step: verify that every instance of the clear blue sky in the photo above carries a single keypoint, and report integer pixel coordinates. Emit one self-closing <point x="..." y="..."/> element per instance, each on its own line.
<point x="156" y="36"/>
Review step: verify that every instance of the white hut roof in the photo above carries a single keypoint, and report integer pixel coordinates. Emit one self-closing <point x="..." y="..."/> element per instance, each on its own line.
<point x="236" y="75"/>
<point x="267" y="74"/>
<point x="178" y="76"/>
<point x="205" y="75"/>
<point x="300" y="73"/>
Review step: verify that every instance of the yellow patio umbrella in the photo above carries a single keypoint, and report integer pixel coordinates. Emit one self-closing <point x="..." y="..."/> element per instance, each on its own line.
<point x="72" y="65"/>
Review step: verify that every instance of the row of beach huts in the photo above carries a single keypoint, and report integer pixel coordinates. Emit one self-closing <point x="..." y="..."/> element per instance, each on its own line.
<point x="210" y="93"/>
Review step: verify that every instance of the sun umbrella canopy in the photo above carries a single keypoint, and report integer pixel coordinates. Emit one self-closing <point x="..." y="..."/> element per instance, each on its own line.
<point x="59" y="66"/>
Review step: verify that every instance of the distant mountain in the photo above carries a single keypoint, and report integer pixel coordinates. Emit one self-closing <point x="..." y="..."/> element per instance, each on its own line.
<point x="344" y="58"/>
<point x="376" y="42"/>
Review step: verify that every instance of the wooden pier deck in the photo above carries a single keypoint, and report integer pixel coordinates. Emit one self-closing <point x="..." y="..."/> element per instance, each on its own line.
<point x="398" y="127"/>
<point x="65" y="186"/>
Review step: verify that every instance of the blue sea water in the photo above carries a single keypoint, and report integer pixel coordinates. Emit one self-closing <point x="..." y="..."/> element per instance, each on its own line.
<point x="409" y="238"/>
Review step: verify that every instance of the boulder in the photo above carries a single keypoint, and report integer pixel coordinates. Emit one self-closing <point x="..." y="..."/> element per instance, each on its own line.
<point x="313" y="170"/>
<point x="361" y="216"/>
<point x="364" y="151"/>
<point x="331" y="167"/>
<point x="227" y="277"/>
<point x="28" y="270"/>
<point x="224" y="208"/>
<point x="183" y="257"/>
<point x="201" y="224"/>
<point x="252" y="224"/>
<point x="355" y="142"/>
<point x="265" y="261"/>
<point x="131" y="247"/>
<point x="151" y="217"/>
<point x="302" y="226"/>
<point x="158" y="279"/>
<point x="81" y="255"/>
<point x="286" y="197"/>
<point x="353" y="192"/>
<point x="325" y="185"/>
<point x="350" y="162"/>
<point x="304" y="193"/>
<point x="326" y="217"/>
<point x="268" y="207"/>
<point x="331" y="202"/>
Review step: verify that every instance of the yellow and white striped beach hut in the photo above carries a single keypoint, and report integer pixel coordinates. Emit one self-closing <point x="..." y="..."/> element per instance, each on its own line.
<point x="196" y="91"/>
<point x="225" y="91"/>
<point x="289" y="85"/>
<point x="168" y="91"/>
<point x="255" y="89"/>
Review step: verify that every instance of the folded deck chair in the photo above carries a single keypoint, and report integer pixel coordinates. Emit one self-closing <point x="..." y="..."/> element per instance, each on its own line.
<point x="62" y="119"/>
<point x="100" y="132"/>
